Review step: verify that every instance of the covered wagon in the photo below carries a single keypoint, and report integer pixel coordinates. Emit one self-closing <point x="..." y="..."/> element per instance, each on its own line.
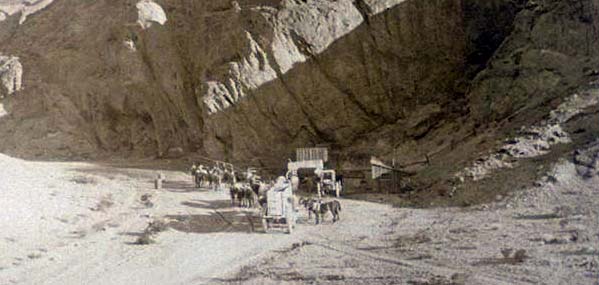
<point x="279" y="212"/>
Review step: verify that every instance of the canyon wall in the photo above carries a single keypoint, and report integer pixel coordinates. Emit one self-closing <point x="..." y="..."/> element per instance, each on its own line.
<point x="250" y="80"/>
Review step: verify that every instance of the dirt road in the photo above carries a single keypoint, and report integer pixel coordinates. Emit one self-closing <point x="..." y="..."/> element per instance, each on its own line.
<point x="547" y="234"/>
<point x="77" y="224"/>
<point x="70" y="223"/>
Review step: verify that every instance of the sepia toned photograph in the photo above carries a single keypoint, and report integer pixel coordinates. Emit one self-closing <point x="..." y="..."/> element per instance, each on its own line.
<point x="184" y="142"/>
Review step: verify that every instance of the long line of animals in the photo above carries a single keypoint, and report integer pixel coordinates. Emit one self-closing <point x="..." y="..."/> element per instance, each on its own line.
<point x="249" y="191"/>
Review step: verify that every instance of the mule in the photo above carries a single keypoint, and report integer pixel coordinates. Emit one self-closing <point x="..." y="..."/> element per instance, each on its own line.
<point x="320" y="209"/>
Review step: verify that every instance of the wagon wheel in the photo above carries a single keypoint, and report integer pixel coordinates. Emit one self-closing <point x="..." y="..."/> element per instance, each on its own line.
<point x="265" y="225"/>
<point x="264" y="212"/>
<point x="289" y="227"/>
<point x="290" y="222"/>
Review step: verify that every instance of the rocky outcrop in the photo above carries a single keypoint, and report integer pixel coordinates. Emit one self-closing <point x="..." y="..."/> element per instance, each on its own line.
<point x="2" y="111"/>
<point x="11" y="73"/>
<point x="376" y="6"/>
<point x="587" y="160"/>
<point x="300" y="30"/>
<point x="248" y="74"/>
<point x="148" y="12"/>
<point x="23" y="7"/>
<point x="534" y="140"/>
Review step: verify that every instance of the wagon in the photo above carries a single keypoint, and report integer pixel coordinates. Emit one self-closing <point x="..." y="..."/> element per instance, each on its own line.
<point x="279" y="212"/>
<point x="328" y="183"/>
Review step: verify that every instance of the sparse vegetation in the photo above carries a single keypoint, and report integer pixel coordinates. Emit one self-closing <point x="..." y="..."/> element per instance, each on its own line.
<point x="144" y="239"/>
<point x="84" y="180"/>
<point x="145" y="200"/>
<point x="153" y="228"/>
<point x="34" y="256"/>
<point x="520" y="256"/>
<point x="104" y="203"/>
<point x="156" y="227"/>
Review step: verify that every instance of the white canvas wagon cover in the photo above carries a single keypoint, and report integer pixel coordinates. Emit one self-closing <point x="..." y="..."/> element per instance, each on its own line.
<point x="279" y="197"/>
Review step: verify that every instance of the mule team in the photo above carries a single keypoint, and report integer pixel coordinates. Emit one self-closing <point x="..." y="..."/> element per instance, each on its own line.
<point x="211" y="177"/>
<point x="249" y="191"/>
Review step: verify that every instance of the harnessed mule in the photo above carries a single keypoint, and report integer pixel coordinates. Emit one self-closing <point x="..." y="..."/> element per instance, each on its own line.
<point x="320" y="209"/>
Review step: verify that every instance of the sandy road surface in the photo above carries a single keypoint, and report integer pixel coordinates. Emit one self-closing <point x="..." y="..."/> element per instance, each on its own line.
<point x="70" y="223"/>
<point x="554" y="226"/>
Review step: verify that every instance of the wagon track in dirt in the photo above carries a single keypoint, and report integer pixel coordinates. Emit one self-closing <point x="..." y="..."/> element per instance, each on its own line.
<point x="249" y="219"/>
<point x="419" y="265"/>
<point x="230" y="220"/>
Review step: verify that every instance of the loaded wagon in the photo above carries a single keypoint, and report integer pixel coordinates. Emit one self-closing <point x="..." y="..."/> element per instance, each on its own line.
<point x="279" y="212"/>
<point x="328" y="184"/>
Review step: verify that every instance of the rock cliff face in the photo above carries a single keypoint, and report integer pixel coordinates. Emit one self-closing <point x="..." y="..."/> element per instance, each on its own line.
<point x="411" y="79"/>
<point x="250" y="80"/>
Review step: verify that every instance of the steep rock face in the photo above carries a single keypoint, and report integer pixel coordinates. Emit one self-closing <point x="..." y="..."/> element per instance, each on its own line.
<point x="414" y="79"/>
<point x="407" y="67"/>
<point x="250" y="80"/>
<point x="84" y="91"/>
<point x="550" y="51"/>
<point x="293" y="32"/>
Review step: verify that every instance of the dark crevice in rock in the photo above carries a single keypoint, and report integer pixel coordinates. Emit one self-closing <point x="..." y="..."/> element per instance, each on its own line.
<point x="487" y="31"/>
<point x="302" y="45"/>
<point x="364" y="10"/>
<point x="227" y="97"/>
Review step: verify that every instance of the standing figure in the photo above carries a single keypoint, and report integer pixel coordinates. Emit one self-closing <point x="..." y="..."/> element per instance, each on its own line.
<point x="200" y="176"/>
<point x="234" y="192"/>
<point x="193" y="169"/>
<point x="215" y="178"/>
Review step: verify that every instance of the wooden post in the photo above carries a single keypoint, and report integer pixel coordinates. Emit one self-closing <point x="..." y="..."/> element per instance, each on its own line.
<point x="394" y="179"/>
<point x="158" y="181"/>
